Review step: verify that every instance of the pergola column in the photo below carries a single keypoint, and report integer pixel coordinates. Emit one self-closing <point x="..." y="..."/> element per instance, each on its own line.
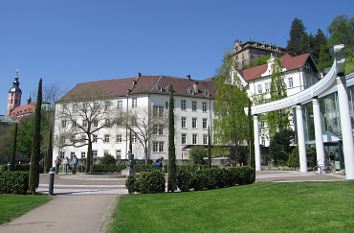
<point x="301" y="139"/>
<point x="346" y="125"/>
<point x="257" y="150"/>
<point x="318" y="133"/>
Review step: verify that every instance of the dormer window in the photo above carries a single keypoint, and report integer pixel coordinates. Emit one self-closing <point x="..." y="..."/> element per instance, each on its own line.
<point x="159" y="87"/>
<point x="206" y="93"/>
<point x="191" y="91"/>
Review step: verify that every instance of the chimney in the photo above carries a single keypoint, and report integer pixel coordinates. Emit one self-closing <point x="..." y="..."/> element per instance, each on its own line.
<point x="139" y="75"/>
<point x="195" y="87"/>
<point x="189" y="77"/>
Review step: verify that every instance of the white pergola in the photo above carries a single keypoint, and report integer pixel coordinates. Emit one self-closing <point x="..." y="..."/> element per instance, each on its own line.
<point x="334" y="77"/>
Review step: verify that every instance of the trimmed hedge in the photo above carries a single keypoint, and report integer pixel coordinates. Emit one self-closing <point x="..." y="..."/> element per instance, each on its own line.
<point x="146" y="182"/>
<point x="13" y="182"/>
<point x="189" y="178"/>
<point x="99" y="168"/>
<point x="212" y="178"/>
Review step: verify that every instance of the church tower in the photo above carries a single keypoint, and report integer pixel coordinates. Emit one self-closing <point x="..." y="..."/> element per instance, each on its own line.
<point x="14" y="96"/>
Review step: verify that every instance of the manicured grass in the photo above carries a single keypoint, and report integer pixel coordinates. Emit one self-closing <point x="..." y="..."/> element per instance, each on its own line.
<point x="263" y="207"/>
<point x="12" y="206"/>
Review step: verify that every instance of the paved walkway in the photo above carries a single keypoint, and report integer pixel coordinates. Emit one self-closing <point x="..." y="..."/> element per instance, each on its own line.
<point x="82" y="204"/>
<point x="295" y="176"/>
<point x="66" y="214"/>
<point x="84" y="184"/>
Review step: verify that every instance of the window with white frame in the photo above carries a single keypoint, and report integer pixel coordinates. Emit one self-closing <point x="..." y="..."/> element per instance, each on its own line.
<point x="134" y="102"/>
<point x="95" y="123"/>
<point x="194" y="122"/>
<point x="105" y="152"/>
<point x="183" y="104"/>
<point x="107" y="105"/>
<point x="184" y="138"/>
<point x="119" y="138"/>
<point x="63" y="123"/>
<point x="183" y="122"/>
<point x="120" y="104"/>
<point x="194" y="105"/>
<point x="94" y="137"/>
<point x="158" y="146"/>
<point x="157" y="111"/>
<point x="134" y="138"/>
<point x="118" y="154"/>
<point x="62" y="154"/>
<point x="204" y="106"/>
<point x="291" y="82"/>
<point x="205" y="139"/>
<point x="83" y="155"/>
<point x="107" y="122"/>
<point x="158" y="129"/>
<point x="84" y="123"/>
<point x="266" y="87"/>
<point x="94" y="153"/>
<point x="194" y="139"/>
<point x="74" y="107"/>
<point x="259" y="88"/>
<point x="205" y="123"/>
<point x="263" y="141"/>
<point x="106" y="138"/>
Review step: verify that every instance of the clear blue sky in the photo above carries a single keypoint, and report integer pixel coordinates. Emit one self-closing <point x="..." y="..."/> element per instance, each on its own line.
<point x="66" y="42"/>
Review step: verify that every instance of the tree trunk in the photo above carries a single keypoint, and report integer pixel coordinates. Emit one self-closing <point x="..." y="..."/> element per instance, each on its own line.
<point x="146" y="152"/>
<point x="89" y="156"/>
<point x="13" y="154"/>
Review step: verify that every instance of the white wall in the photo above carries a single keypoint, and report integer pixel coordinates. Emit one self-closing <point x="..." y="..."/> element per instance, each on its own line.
<point x="143" y="101"/>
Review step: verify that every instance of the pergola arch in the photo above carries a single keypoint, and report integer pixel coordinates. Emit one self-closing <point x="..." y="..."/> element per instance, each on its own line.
<point x="335" y="77"/>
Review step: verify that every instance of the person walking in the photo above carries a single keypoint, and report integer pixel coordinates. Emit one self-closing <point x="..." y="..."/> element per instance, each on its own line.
<point x="66" y="165"/>
<point x="74" y="163"/>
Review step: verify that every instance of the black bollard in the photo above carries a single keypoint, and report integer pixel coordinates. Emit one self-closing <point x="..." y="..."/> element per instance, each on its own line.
<point x="51" y="180"/>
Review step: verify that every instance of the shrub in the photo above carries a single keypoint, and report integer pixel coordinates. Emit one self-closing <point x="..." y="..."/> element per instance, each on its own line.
<point x="3" y="168"/>
<point x="184" y="179"/>
<point x="98" y="168"/>
<point x="25" y="167"/>
<point x="143" y="167"/>
<point x="152" y="182"/>
<point x="14" y="182"/>
<point x="108" y="159"/>
<point x="132" y="184"/>
<point x="247" y="175"/>
<point x="293" y="160"/>
<point x="197" y="154"/>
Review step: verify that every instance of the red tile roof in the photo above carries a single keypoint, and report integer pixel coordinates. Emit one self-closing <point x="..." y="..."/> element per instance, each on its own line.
<point x="147" y="84"/>
<point x="22" y="110"/>
<point x="287" y="61"/>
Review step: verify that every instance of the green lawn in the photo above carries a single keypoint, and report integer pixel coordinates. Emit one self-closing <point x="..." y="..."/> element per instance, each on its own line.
<point x="263" y="207"/>
<point x="12" y="206"/>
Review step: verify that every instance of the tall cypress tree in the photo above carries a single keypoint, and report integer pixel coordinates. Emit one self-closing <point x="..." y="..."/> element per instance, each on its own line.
<point x="209" y="148"/>
<point x="172" y="186"/>
<point x="36" y="143"/>
<point x="14" y="148"/>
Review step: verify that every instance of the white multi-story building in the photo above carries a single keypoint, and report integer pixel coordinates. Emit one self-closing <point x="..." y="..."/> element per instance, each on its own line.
<point x="299" y="72"/>
<point x="146" y="98"/>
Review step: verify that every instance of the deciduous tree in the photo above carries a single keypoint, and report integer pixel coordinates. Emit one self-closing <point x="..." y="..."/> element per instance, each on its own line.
<point x="82" y="114"/>
<point x="231" y="121"/>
